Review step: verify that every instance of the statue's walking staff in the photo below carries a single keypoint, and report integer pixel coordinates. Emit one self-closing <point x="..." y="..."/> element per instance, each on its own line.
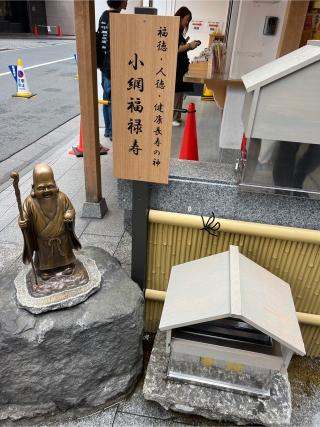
<point x="15" y="177"/>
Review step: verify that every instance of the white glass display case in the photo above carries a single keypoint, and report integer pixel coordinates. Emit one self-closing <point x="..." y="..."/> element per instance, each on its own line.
<point x="229" y="323"/>
<point x="282" y="126"/>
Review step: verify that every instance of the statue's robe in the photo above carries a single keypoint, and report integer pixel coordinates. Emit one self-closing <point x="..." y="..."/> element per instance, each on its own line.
<point x="52" y="240"/>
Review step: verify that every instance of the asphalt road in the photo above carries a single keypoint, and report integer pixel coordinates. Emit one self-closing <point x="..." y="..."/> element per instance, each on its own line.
<point x="23" y="121"/>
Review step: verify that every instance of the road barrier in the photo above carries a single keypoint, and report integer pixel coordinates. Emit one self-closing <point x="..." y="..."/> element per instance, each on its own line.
<point x="36" y="28"/>
<point x="20" y="78"/>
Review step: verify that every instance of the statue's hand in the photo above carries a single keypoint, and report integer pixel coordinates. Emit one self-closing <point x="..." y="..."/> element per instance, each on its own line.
<point x="68" y="216"/>
<point x="23" y="223"/>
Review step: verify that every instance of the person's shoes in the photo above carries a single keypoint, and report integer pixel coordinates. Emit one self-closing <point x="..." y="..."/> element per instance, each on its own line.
<point x="110" y="137"/>
<point x="107" y="135"/>
<point x="176" y="123"/>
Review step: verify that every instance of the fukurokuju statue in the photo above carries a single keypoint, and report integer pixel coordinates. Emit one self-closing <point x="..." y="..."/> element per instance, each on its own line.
<point x="47" y="222"/>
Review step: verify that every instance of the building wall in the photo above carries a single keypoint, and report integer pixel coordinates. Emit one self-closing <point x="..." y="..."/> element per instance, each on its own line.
<point x="251" y="47"/>
<point x="60" y="13"/>
<point x="202" y="10"/>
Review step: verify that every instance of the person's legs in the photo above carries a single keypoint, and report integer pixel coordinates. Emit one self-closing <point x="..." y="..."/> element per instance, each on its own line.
<point x="284" y="164"/>
<point x="106" y="85"/>
<point x="178" y="101"/>
<point x="306" y="165"/>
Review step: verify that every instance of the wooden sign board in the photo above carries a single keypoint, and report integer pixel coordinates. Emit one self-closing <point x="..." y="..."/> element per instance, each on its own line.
<point x="143" y="74"/>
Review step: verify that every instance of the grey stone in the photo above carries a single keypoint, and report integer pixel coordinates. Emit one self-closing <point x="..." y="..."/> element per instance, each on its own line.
<point x="213" y="403"/>
<point x="199" y="188"/>
<point x="94" y="210"/>
<point x="63" y="299"/>
<point x="84" y="356"/>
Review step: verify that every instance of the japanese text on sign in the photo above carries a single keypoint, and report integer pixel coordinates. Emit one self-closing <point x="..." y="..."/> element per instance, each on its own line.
<point x="143" y="82"/>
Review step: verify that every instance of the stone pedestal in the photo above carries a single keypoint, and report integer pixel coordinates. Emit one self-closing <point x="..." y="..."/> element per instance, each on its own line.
<point x="213" y="403"/>
<point x="78" y="357"/>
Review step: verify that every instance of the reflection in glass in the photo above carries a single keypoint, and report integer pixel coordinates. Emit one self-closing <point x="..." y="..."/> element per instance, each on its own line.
<point x="282" y="166"/>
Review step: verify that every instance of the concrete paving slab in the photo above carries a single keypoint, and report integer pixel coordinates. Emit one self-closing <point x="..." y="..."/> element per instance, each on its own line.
<point x="31" y="152"/>
<point x="107" y="243"/>
<point x="9" y="218"/>
<point x="110" y="225"/>
<point x="7" y="166"/>
<point x="98" y="419"/>
<point x="11" y="234"/>
<point x="81" y="225"/>
<point x="126" y="420"/>
<point x="8" y="253"/>
<point x="5" y="194"/>
<point x="112" y="200"/>
<point x="5" y="205"/>
<point x="123" y="252"/>
<point x="138" y="405"/>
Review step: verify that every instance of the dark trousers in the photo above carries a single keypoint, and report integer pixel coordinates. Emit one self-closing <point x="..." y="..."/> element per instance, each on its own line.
<point x="288" y="173"/>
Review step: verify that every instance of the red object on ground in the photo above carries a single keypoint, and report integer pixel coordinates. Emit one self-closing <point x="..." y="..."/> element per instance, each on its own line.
<point x="35" y="31"/>
<point x="189" y="146"/>
<point x="59" y="34"/>
<point x="244" y="147"/>
<point x="78" y="150"/>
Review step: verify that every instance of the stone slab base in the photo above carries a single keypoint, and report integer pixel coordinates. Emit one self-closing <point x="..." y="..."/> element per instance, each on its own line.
<point x="79" y="357"/>
<point x="213" y="403"/>
<point x="63" y="299"/>
<point x="94" y="210"/>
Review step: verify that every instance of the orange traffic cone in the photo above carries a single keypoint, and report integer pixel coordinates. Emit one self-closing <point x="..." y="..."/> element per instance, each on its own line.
<point x="189" y="146"/>
<point x="78" y="150"/>
<point x="35" y="31"/>
<point x="59" y="34"/>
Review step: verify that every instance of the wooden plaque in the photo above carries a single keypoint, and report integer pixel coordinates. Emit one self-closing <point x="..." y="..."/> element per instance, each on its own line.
<point x="143" y="62"/>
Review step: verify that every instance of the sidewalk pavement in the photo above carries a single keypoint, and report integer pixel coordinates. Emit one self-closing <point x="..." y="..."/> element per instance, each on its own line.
<point x="109" y="234"/>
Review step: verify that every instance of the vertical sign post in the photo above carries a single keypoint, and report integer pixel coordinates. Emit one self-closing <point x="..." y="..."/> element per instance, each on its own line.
<point x="143" y="73"/>
<point x="143" y="58"/>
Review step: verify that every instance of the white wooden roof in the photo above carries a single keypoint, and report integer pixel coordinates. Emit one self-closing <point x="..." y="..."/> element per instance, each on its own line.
<point x="230" y="285"/>
<point x="281" y="67"/>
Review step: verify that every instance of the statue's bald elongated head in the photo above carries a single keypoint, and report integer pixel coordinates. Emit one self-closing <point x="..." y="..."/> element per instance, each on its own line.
<point x="44" y="185"/>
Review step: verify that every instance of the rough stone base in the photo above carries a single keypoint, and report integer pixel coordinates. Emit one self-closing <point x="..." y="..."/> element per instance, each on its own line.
<point x="84" y="356"/>
<point x="213" y="403"/>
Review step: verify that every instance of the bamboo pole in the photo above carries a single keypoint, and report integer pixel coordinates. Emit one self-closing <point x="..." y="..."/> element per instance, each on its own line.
<point x="233" y="226"/>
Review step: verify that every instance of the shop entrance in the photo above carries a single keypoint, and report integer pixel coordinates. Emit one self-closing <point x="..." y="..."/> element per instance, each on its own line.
<point x="20" y="16"/>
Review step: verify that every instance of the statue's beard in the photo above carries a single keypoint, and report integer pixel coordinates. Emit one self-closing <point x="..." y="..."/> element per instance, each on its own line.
<point x="49" y="205"/>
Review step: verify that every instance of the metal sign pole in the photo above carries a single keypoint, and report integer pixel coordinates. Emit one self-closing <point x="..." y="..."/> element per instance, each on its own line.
<point x="140" y="210"/>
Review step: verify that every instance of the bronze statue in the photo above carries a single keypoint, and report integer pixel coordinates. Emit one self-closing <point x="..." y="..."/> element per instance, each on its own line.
<point x="47" y="222"/>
